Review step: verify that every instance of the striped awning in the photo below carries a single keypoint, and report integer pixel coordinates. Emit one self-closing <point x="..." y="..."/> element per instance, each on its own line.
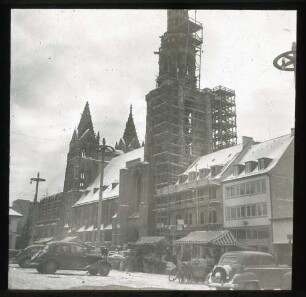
<point x="217" y="238"/>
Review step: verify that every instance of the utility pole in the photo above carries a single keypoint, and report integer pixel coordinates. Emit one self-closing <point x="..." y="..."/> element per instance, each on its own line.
<point x="102" y="149"/>
<point x="208" y="221"/>
<point x="35" y="206"/>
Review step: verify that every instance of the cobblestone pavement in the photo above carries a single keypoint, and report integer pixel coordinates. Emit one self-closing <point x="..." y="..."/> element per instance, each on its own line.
<point x="30" y="279"/>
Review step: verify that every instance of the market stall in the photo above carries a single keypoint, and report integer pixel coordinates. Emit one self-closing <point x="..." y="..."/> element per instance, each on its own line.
<point x="149" y="252"/>
<point x="202" y="244"/>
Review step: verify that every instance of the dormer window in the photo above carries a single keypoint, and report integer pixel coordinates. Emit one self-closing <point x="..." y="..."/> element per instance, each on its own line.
<point x="263" y="163"/>
<point x="216" y="169"/>
<point x="250" y="166"/>
<point x="192" y="175"/>
<point x="182" y="178"/>
<point x="204" y="172"/>
<point x="237" y="169"/>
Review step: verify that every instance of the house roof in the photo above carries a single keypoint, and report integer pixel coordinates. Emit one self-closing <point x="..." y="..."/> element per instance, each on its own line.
<point x="222" y="158"/>
<point x="272" y="149"/>
<point x="111" y="175"/>
<point x="14" y="213"/>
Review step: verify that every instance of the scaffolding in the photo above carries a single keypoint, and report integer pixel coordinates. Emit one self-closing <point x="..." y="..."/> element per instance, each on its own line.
<point x="180" y="50"/>
<point x="223" y="118"/>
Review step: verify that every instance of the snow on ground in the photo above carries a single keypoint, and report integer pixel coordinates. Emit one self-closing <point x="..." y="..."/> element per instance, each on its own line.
<point x="30" y="279"/>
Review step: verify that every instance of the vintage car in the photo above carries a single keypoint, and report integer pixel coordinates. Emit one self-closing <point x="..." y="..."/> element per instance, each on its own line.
<point x="249" y="270"/>
<point x="69" y="256"/>
<point x="23" y="258"/>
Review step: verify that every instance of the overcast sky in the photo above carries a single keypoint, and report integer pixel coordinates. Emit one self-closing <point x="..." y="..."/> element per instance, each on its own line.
<point x="62" y="58"/>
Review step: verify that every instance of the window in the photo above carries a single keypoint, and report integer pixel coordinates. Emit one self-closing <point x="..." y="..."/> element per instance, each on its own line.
<point x="261" y="164"/>
<point x="268" y="260"/>
<point x="263" y="186"/>
<point x="233" y="212"/>
<point x="253" y="210"/>
<point x="264" y="209"/>
<point x="63" y="249"/>
<point x="228" y="213"/>
<point x="260" y="209"/>
<point x="236" y="170"/>
<point x="202" y="217"/>
<point x="76" y="250"/>
<point x="248" y="167"/>
<point x="242" y="211"/>
<point x="242" y="189"/>
<point x="213" y="216"/>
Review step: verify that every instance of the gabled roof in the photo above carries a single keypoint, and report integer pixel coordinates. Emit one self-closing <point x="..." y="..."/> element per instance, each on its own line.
<point x="222" y="157"/>
<point x="272" y="149"/>
<point x="111" y="175"/>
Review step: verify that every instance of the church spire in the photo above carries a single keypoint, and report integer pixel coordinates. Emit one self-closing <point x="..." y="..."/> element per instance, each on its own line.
<point x="129" y="140"/>
<point x="85" y="122"/>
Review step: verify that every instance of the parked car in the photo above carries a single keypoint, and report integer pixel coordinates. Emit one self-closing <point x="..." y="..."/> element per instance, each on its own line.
<point x="23" y="258"/>
<point x="12" y="255"/>
<point x="58" y="255"/>
<point x="249" y="270"/>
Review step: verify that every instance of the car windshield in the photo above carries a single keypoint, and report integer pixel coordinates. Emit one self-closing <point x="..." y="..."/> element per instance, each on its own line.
<point x="228" y="260"/>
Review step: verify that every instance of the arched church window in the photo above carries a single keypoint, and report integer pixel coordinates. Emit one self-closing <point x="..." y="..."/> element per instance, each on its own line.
<point x="83" y="153"/>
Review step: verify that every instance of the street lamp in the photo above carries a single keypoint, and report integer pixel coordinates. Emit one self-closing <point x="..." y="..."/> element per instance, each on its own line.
<point x="103" y="148"/>
<point x="35" y="210"/>
<point x="287" y="60"/>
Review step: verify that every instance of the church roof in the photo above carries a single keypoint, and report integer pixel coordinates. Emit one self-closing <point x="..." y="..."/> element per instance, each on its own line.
<point x="111" y="175"/>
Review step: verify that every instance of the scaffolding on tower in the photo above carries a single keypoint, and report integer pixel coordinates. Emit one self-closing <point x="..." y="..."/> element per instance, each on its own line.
<point x="223" y="118"/>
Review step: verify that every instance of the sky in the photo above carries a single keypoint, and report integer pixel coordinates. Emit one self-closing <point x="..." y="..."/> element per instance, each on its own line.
<point x="62" y="58"/>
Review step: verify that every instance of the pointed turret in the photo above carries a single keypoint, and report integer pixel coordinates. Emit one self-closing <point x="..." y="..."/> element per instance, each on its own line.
<point x="121" y="145"/>
<point x="74" y="136"/>
<point x="130" y="135"/>
<point x="98" y="137"/>
<point x="85" y="122"/>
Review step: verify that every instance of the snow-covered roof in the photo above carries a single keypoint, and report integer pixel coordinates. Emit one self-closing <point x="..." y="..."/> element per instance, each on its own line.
<point x="111" y="175"/>
<point x="272" y="149"/>
<point x="14" y="213"/>
<point x="221" y="158"/>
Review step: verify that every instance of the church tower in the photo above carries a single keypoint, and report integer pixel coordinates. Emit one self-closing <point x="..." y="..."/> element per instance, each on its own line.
<point x="129" y="141"/>
<point x="179" y="117"/>
<point x="81" y="169"/>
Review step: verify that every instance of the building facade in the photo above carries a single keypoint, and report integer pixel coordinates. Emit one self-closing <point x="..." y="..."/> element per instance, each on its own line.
<point x="194" y="203"/>
<point x="258" y="195"/>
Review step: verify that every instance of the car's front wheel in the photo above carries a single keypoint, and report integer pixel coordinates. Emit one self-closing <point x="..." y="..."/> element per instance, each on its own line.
<point x="39" y="269"/>
<point x="24" y="263"/>
<point x="104" y="270"/>
<point x="93" y="271"/>
<point x="50" y="267"/>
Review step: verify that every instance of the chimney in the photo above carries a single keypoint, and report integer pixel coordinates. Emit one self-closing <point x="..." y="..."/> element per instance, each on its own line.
<point x="292" y="131"/>
<point x="246" y="140"/>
